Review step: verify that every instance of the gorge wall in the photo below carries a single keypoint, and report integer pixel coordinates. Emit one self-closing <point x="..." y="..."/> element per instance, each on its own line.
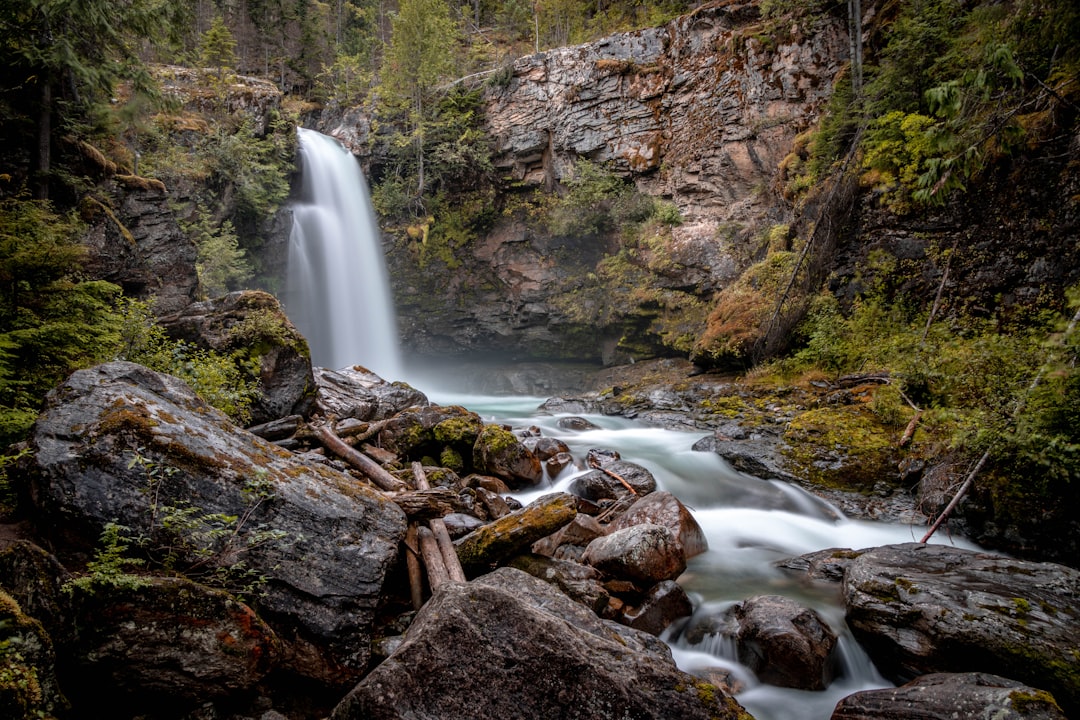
<point x="698" y="112"/>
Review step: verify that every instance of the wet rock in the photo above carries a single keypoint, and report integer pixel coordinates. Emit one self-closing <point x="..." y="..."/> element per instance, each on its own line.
<point x="119" y="443"/>
<point x="663" y="508"/>
<point x="665" y="603"/>
<point x="921" y="609"/>
<point x="785" y="643"/>
<point x="354" y="392"/>
<point x="498" y="452"/>
<point x="581" y="583"/>
<point x="951" y="695"/>
<point x="28" y="685"/>
<point x="546" y="448"/>
<point x="509" y="645"/>
<point x="757" y="454"/>
<point x="171" y="641"/>
<point x="482" y="549"/>
<point x="578" y="424"/>
<point x="35" y="579"/>
<point x="578" y="533"/>
<point x="641" y="553"/>
<point x="824" y="565"/>
<point x="597" y="485"/>
<point x="460" y="524"/>
<point x="254" y="324"/>
<point x="556" y="464"/>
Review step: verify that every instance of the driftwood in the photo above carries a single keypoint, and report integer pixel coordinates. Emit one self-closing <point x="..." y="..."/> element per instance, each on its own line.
<point x="620" y="478"/>
<point x="427" y="504"/>
<point x="412" y="562"/>
<point x="438" y="529"/>
<point x="278" y="429"/>
<point x="433" y="559"/>
<point x="371" y="470"/>
<point x="909" y="431"/>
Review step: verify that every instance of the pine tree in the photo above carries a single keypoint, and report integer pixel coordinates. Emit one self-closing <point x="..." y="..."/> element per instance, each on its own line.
<point x="217" y="48"/>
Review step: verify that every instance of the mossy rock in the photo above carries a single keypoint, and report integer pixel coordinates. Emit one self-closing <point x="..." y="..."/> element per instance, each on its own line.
<point x="498" y="452"/>
<point x="511" y="534"/>
<point x="28" y="686"/>
<point x="842" y="447"/>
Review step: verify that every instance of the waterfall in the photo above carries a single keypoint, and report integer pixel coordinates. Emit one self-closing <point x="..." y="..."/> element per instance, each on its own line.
<point x="337" y="289"/>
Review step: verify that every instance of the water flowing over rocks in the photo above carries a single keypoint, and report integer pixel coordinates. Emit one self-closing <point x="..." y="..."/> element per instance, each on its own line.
<point x="549" y="657"/>
<point x="951" y="695"/>
<point x="121" y="444"/>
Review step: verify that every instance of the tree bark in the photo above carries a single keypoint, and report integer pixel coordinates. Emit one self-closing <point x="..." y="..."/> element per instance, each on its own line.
<point x="412" y="562"/>
<point x="43" y="158"/>
<point x="442" y="535"/>
<point x="433" y="559"/>
<point x="358" y="460"/>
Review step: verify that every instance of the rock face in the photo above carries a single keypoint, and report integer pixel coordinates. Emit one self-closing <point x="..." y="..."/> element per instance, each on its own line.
<point x="947" y="695"/>
<point x="508" y="645"/>
<point x="921" y="609"/>
<point x="139" y="246"/>
<point x="699" y="112"/>
<point x="121" y="444"/>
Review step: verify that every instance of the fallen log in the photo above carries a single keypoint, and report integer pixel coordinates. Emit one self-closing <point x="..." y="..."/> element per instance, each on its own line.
<point x="427" y="504"/>
<point x="909" y="431"/>
<point x="438" y="529"/>
<point x="412" y="562"/>
<point x="433" y="559"/>
<point x="279" y="429"/>
<point x="371" y="470"/>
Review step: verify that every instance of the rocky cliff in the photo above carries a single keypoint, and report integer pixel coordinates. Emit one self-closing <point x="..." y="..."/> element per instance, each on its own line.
<point x="698" y="112"/>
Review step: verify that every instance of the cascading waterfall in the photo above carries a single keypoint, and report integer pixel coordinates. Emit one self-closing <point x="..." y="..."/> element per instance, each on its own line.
<point x="337" y="290"/>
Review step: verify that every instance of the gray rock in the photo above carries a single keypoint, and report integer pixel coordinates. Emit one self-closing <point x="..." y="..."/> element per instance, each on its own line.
<point x="598" y="485"/>
<point x="947" y="695"/>
<point x="120" y="443"/>
<point x="509" y="645"/>
<point x="643" y="553"/>
<point x="665" y="603"/>
<point x="921" y="609"/>
<point x="356" y="393"/>
<point x="499" y="452"/>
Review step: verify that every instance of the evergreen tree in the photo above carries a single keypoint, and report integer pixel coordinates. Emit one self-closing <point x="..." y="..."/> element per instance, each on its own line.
<point x="421" y="56"/>
<point x="217" y="48"/>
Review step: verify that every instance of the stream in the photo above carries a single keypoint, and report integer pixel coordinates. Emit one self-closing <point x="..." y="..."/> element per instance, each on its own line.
<point x="750" y="524"/>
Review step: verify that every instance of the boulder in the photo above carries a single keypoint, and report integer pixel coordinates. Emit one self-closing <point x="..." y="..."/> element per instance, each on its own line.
<point x="167" y="642"/>
<point x="498" y="452"/>
<point x="509" y="645"/>
<point x="253" y="323"/>
<point x="665" y="603"/>
<point x="35" y="579"/>
<point x="921" y="609"/>
<point x="511" y="534"/>
<point x="644" y="554"/>
<point x="579" y="582"/>
<point x="599" y="484"/>
<point x="119" y="443"/>
<point x="785" y="643"/>
<point x="354" y="392"/>
<point x="578" y="534"/>
<point x="951" y="695"/>
<point x="663" y="508"/>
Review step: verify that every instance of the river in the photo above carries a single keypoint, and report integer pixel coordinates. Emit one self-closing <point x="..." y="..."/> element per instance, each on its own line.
<point x="750" y="524"/>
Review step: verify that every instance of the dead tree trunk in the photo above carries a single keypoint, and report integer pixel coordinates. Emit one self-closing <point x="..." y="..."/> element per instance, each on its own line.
<point x="371" y="470"/>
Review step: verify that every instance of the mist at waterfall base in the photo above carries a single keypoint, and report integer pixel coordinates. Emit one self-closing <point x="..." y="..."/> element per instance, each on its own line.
<point x="337" y="289"/>
<point x="339" y="298"/>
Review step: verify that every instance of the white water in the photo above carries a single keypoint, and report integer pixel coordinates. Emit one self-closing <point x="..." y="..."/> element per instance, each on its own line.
<point x="750" y="524"/>
<point x="337" y="290"/>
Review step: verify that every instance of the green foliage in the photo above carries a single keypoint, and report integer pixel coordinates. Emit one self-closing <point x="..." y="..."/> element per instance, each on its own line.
<point x="597" y="201"/>
<point x="223" y="381"/>
<point x="347" y="81"/>
<point x="221" y="263"/>
<point x="217" y="48"/>
<point x="51" y="321"/>
<point x="256" y="167"/>
<point x="110" y="565"/>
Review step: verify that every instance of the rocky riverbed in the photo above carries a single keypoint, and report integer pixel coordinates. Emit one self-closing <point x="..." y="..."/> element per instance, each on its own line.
<point x="201" y="570"/>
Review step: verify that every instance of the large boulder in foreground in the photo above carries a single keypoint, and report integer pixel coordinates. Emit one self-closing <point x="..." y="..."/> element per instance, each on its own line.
<point x="355" y="392"/>
<point x="119" y="443"/>
<point x="921" y="609"/>
<point x="951" y="695"/>
<point x="510" y="646"/>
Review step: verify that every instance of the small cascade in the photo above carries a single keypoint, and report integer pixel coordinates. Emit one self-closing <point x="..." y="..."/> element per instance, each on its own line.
<point x="337" y="289"/>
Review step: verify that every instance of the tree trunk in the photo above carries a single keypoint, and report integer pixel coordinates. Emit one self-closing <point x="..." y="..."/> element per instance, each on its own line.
<point x="43" y="158"/>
